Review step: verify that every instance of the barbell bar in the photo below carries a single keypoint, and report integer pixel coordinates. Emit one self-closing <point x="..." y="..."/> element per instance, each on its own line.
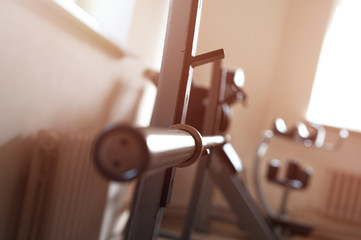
<point x="123" y="152"/>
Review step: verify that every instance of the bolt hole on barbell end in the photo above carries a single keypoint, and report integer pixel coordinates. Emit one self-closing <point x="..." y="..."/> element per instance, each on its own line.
<point x="120" y="153"/>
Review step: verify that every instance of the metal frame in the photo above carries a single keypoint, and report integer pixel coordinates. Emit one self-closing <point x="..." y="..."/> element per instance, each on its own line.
<point x="240" y="201"/>
<point x="153" y="192"/>
<point x="221" y="166"/>
<point x="154" y="149"/>
<point x="202" y="189"/>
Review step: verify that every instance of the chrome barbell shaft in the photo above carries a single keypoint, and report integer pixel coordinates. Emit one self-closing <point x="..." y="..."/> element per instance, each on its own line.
<point x="123" y="153"/>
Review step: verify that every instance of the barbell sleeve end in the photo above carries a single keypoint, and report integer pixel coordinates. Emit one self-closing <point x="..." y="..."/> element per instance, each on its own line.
<point x="114" y="145"/>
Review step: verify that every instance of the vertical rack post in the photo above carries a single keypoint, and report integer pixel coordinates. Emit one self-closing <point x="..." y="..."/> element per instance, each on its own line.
<point x="152" y="192"/>
<point x="210" y="127"/>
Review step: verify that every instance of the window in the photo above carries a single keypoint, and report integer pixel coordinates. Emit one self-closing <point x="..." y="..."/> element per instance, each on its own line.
<point x="114" y="16"/>
<point x="336" y="93"/>
<point x="110" y="19"/>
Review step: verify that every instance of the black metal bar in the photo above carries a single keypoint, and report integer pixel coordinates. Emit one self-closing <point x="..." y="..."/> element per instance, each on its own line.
<point x="207" y="57"/>
<point x="249" y="216"/>
<point x="194" y="201"/>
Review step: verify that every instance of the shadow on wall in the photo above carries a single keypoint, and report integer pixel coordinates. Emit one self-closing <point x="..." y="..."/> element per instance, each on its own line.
<point x="120" y="104"/>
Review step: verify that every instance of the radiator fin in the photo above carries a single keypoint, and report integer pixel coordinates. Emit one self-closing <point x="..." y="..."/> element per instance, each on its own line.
<point x="343" y="201"/>
<point x="65" y="197"/>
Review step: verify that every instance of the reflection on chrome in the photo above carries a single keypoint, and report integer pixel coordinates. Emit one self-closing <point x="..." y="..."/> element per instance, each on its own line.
<point x="163" y="142"/>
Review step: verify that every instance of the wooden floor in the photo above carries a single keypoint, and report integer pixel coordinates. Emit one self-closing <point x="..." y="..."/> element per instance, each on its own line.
<point x="171" y="228"/>
<point x="221" y="228"/>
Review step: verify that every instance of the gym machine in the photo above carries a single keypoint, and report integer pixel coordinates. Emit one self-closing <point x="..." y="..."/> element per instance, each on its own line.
<point x="297" y="177"/>
<point x="155" y="149"/>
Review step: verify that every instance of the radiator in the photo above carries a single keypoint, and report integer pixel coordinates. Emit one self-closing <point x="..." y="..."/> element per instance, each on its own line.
<point x="65" y="197"/>
<point x="343" y="199"/>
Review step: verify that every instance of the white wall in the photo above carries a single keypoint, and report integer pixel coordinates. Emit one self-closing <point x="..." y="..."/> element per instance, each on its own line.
<point x="147" y="35"/>
<point x="56" y="74"/>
